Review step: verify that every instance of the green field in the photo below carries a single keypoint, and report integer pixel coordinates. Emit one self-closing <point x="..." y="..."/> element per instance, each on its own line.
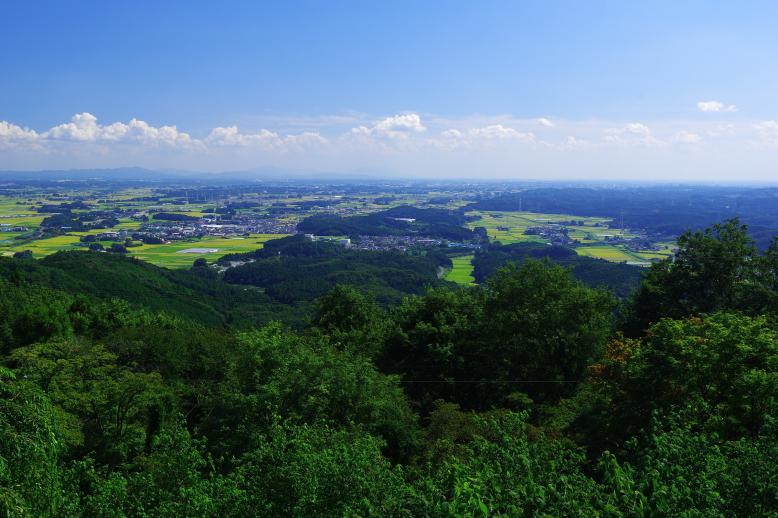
<point x="169" y="255"/>
<point x="509" y="227"/>
<point x="462" y="270"/>
<point x="166" y="255"/>
<point x="592" y="234"/>
<point x="607" y="252"/>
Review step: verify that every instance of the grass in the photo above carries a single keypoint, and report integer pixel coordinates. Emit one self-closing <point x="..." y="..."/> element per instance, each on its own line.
<point x="592" y="231"/>
<point x="169" y="256"/>
<point x="607" y="252"/>
<point x="462" y="270"/>
<point x="160" y="255"/>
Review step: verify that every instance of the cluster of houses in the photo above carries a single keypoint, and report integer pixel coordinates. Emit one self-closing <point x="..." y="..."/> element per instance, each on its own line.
<point x="12" y="228"/>
<point x="554" y="234"/>
<point x="392" y="243"/>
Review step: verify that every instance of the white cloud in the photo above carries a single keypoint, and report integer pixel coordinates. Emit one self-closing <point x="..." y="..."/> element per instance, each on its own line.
<point x="545" y="122"/>
<point x="12" y="132"/>
<point x="306" y="139"/>
<point x="632" y="133"/>
<point x="493" y="132"/>
<point x="453" y="133"/>
<point x="715" y="106"/>
<point x="397" y="126"/>
<point x="231" y="136"/>
<point x="265" y="139"/>
<point x="572" y="143"/>
<point x="501" y="143"/>
<point x="83" y="127"/>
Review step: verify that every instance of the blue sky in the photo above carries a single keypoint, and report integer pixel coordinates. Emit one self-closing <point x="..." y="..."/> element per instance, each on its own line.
<point x="504" y="89"/>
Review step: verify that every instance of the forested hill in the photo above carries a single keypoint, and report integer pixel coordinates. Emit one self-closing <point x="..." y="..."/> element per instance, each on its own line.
<point x="666" y="210"/>
<point x="525" y="396"/>
<point x="395" y="221"/>
<point x="297" y="269"/>
<point x="193" y="294"/>
<point x="622" y="279"/>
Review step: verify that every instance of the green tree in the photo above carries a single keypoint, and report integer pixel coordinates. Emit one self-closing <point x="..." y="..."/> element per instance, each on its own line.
<point x="108" y="404"/>
<point x="726" y="364"/>
<point x="351" y="320"/>
<point x="718" y="269"/>
<point x="531" y="331"/>
<point x="30" y="483"/>
<point x="306" y="380"/>
<point x="315" y="470"/>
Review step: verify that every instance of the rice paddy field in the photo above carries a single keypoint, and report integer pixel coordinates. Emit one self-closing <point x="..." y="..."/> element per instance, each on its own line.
<point x="462" y="270"/>
<point x="509" y="227"/>
<point x="591" y="234"/>
<point x="167" y="255"/>
<point x="171" y="256"/>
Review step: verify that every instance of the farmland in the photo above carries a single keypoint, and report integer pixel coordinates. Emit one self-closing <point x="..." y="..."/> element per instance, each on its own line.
<point x="509" y="227"/>
<point x="462" y="270"/>
<point x="254" y="217"/>
<point x="167" y="255"/>
<point x="171" y="256"/>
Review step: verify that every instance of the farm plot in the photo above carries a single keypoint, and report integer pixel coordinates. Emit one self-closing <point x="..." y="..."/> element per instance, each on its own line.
<point x="462" y="270"/>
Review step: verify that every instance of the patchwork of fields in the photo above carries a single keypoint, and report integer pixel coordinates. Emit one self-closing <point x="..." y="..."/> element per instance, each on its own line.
<point x="170" y="255"/>
<point x="167" y="255"/>
<point x="590" y="233"/>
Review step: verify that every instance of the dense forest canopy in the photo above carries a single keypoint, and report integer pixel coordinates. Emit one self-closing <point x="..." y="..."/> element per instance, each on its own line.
<point x="620" y="278"/>
<point x="130" y="390"/>
<point x="401" y="220"/>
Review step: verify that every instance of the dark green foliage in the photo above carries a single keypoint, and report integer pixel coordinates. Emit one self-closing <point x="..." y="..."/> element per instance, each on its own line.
<point x="306" y="381"/>
<point x="502" y="473"/>
<point x="662" y="210"/>
<point x="106" y="276"/>
<point x="316" y="471"/>
<point x="621" y="279"/>
<point x="393" y="222"/>
<point x="532" y="330"/>
<point x="105" y="405"/>
<point x="677" y="363"/>
<point x="352" y="321"/>
<point x="158" y="405"/>
<point x="714" y="270"/>
<point x="30" y="481"/>
<point x="295" y="269"/>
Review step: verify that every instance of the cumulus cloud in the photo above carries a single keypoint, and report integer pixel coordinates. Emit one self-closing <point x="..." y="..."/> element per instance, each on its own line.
<point x="231" y="136"/>
<point x="83" y="127"/>
<point x="632" y="133"/>
<point x="397" y="126"/>
<point x="492" y="132"/>
<point x="715" y="106"/>
<point x="264" y="139"/>
<point x="11" y="132"/>
<point x="403" y="141"/>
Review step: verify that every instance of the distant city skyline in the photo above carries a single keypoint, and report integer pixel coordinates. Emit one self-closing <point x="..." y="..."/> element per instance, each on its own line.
<point x="652" y="91"/>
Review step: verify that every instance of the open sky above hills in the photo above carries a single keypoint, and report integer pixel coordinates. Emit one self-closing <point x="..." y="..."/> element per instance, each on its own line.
<point x="530" y="90"/>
